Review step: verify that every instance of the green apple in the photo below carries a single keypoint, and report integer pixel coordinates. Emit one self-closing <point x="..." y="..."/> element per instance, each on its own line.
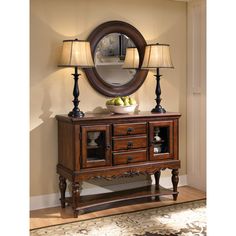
<point x="132" y="101"/>
<point x="112" y="101"/>
<point x="126" y="104"/>
<point x="119" y="102"/>
<point x="124" y="98"/>
<point x="126" y="101"/>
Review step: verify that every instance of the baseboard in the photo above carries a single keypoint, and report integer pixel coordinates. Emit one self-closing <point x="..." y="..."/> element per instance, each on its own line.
<point x="52" y="200"/>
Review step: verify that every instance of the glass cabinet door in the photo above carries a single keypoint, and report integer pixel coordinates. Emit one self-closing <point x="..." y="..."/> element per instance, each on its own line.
<point x="161" y="140"/>
<point x="96" y="148"/>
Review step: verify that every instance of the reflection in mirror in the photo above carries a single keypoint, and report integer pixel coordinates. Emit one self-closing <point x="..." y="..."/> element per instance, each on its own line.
<point x="109" y="58"/>
<point x="108" y="43"/>
<point x="131" y="58"/>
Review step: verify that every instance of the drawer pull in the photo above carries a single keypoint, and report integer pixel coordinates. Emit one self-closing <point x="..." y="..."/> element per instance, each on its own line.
<point x="129" y="159"/>
<point x="129" y="130"/>
<point x="129" y="144"/>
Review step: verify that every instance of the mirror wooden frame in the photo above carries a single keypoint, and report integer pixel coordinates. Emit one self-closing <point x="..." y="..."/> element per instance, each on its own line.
<point x="95" y="79"/>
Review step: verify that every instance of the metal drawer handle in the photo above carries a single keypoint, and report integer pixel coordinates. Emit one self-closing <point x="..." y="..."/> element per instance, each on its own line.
<point x="130" y="129"/>
<point x="129" y="144"/>
<point x="129" y="159"/>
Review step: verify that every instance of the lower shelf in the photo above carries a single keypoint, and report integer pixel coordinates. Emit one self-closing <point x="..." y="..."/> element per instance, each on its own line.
<point x="114" y="197"/>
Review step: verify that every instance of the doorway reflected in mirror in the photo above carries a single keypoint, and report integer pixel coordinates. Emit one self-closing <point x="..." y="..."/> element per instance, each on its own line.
<point x="109" y="57"/>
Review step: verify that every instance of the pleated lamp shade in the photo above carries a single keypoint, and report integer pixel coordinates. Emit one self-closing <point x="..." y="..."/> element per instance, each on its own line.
<point x="76" y="53"/>
<point x="131" y="58"/>
<point x="157" y="56"/>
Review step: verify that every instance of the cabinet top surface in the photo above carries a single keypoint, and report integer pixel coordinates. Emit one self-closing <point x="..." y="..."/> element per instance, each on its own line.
<point x="105" y="116"/>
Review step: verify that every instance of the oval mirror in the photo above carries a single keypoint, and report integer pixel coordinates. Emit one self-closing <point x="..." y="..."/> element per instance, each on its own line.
<point x="108" y="44"/>
<point x="109" y="58"/>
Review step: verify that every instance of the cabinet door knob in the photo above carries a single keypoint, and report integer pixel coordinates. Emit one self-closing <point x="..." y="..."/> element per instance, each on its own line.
<point x="108" y="146"/>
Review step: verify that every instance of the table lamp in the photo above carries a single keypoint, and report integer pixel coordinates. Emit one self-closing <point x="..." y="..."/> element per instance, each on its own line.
<point x="76" y="53"/>
<point x="157" y="56"/>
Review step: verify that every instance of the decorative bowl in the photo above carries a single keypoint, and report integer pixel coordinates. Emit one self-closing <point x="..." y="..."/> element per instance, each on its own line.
<point x="121" y="109"/>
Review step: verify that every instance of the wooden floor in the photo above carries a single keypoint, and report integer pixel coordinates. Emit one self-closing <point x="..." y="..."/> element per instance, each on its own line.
<point x="56" y="215"/>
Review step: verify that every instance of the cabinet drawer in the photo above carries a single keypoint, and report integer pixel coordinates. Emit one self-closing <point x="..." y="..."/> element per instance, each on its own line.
<point x="129" y="143"/>
<point x="129" y="129"/>
<point x="129" y="157"/>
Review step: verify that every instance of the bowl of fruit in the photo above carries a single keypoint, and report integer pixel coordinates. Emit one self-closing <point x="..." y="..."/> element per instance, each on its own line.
<point x="121" y="105"/>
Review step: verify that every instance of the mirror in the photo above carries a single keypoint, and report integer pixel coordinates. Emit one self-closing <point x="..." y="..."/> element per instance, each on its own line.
<point x="109" y="58"/>
<point x="108" y="44"/>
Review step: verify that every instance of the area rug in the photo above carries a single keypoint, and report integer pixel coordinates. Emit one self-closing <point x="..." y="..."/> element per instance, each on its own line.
<point x="183" y="219"/>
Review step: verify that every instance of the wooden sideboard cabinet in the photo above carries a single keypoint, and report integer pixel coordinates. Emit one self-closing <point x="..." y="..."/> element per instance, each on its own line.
<point x="111" y="146"/>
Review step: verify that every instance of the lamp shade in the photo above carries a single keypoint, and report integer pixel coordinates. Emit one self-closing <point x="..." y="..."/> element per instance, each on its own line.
<point x="157" y="56"/>
<point x="76" y="53"/>
<point x="131" y="58"/>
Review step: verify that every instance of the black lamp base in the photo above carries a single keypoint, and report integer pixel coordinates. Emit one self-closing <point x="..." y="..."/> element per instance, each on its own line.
<point x="159" y="109"/>
<point x="76" y="114"/>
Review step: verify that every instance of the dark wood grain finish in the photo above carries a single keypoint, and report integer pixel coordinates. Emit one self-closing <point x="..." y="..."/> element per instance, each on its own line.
<point x="118" y="171"/>
<point x="129" y="143"/>
<point x="129" y="129"/>
<point x="123" y="154"/>
<point x="76" y="187"/>
<point x="175" y="181"/>
<point x="77" y="157"/>
<point x="66" y="145"/>
<point x="129" y="157"/>
<point x="157" y="176"/>
<point x="106" y="198"/>
<point x="176" y="139"/>
<point x="62" y="187"/>
<point x="136" y="117"/>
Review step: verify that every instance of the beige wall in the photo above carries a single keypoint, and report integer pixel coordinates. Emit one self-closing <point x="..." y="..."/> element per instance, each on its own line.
<point x="51" y="87"/>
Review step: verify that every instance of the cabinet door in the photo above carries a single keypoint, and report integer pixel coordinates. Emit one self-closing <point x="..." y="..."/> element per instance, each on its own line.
<point x="96" y="147"/>
<point x="163" y="140"/>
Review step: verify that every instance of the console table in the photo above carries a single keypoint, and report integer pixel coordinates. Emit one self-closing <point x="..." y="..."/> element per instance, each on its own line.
<point x="110" y="146"/>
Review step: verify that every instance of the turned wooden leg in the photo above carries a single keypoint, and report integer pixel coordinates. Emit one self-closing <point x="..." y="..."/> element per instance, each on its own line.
<point x="157" y="179"/>
<point x="175" y="181"/>
<point x="76" y="187"/>
<point x="62" y="187"/>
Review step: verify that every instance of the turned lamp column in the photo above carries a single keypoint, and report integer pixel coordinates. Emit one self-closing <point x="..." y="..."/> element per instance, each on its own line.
<point x="76" y="53"/>
<point x="158" y="108"/>
<point x="76" y="112"/>
<point x="157" y="56"/>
